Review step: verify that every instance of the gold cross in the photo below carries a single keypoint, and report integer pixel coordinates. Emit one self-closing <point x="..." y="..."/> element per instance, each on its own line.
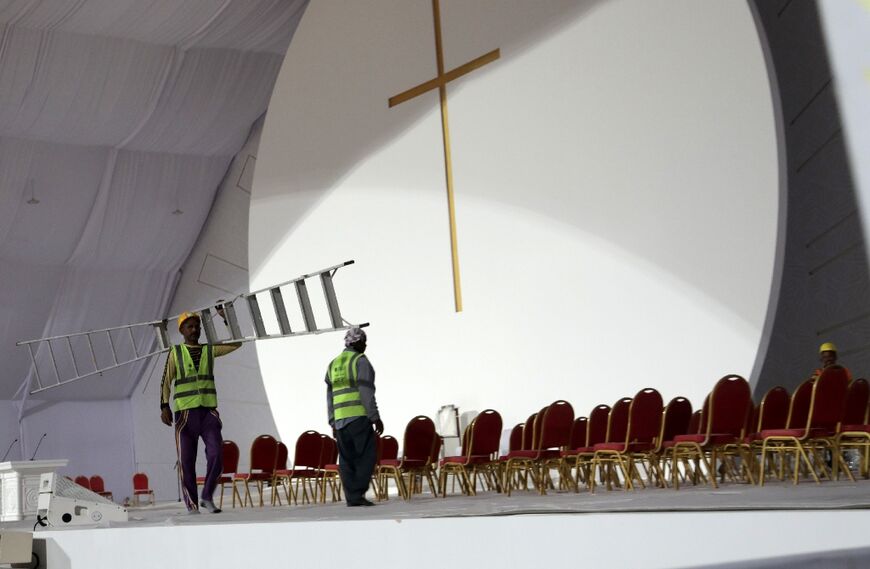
<point x="440" y="82"/>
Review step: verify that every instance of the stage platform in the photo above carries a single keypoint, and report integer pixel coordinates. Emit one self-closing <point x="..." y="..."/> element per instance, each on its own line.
<point x="697" y="526"/>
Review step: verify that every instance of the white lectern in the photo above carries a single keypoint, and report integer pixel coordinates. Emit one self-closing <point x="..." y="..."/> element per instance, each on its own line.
<point x="19" y="487"/>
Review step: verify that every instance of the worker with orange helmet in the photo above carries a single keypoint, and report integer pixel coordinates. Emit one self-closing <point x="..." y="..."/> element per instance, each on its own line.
<point x="190" y="370"/>
<point x="828" y="357"/>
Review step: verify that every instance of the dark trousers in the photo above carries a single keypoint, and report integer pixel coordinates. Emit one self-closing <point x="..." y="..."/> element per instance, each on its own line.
<point x="357" y="450"/>
<point x="190" y="426"/>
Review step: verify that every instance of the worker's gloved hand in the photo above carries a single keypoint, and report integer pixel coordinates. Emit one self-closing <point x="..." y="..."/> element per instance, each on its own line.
<point x="379" y="427"/>
<point x="166" y="416"/>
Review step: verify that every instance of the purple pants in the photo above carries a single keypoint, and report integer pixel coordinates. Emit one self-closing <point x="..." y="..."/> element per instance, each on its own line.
<point x="190" y="425"/>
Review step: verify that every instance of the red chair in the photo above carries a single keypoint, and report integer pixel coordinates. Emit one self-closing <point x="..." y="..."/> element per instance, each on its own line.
<point x="141" y="488"/>
<point x="417" y="457"/>
<point x="99" y="487"/>
<point x="264" y="452"/>
<point x="329" y="469"/>
<point x="388" y="449"/>
<point x="280" y="466"/>
<point x="230" y="453"/>
<point x="636" y="442"/>
<point x="306" y="468"/>
<point x="855" y="430"/>
<point x="554" y="423"/>
<point x="480" y="445"/>
<point x="579" y="458"/>
<point x="676" y="420"/>
<point x="83" y="481"/>
<point x="812" y="425"/>
<point x="727" y="407"/>
<point x="771" y="413"/>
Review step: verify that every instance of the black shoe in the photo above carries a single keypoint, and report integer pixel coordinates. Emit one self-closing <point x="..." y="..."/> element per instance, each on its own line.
<point x="360" y="502"/>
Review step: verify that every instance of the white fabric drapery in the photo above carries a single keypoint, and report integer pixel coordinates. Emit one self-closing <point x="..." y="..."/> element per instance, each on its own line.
<point x="113" y="115"/>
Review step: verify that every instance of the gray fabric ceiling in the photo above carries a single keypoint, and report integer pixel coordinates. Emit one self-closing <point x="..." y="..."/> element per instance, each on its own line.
<point x="113" y="115"/>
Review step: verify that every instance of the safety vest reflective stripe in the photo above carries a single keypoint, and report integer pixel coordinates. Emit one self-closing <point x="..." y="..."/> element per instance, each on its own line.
<point x="346" y="402"/>
<point x="194" y="387"/>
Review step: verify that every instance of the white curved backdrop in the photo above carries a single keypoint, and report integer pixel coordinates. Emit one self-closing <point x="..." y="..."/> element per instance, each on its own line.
<point x="616" y="191"/>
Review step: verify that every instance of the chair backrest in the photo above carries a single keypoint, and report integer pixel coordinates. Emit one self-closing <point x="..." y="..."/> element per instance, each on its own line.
<point x="485" y="434"/>
<point x="644" y="416"/>
<point x="598" y="420"/>
<point x="729" y="406"/>
<point x="578" y="432"/>
<point x="97" y="484"/>
<point x="307" y="452"/>
<point x="231" y="457"/>
<point x="328" y="451"/>
<point x="556" y="425"/>
<point x="773" y="410"/>
<point x="799" y="405"/>
<point x="857" y="399"/>
<point x="516" y="439"/>
<point x="264" y="450"/>
<point x="420" y="437"/>
<point x="677" y="419"/>
<point x="829" y="398"/>
<point x="703" y="417"/>
<point x="617" y="423"/>
<point x="281" y="456"/>
<point x="140" y="481"/>
<point x="529" y="432"/>
<point x="83" y="481"/>
<point x="389" y="448"/>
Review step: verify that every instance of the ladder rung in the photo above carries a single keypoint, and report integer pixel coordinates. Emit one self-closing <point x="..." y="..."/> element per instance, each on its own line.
<point x="232" y="321"/>
<point x="280" y="311"/>
<point x="208" y="326"/>
<point x="331" y="300"/>
<point x="162" y="335"/>
<point x="305" y="306"/>
<point x="256" y="317"/>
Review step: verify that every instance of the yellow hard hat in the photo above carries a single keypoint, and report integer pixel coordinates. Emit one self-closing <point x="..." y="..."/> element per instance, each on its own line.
<point x="827" y="347"/>
<point x="184" y="316"/>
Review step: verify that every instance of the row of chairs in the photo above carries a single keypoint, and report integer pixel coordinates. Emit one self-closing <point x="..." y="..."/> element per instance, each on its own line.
<point x="313" y="475"/>
<point x="729" y="437"/>
<point x="96" y="484"/>
<point x="634" y="441"/>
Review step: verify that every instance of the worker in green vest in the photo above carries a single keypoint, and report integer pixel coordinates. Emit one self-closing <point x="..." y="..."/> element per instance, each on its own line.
<point x="353" y="416"/>
<point x="190" y="370"/>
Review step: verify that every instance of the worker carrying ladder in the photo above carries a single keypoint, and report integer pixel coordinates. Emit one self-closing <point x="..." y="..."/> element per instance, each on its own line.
<point x="118" y="346"/>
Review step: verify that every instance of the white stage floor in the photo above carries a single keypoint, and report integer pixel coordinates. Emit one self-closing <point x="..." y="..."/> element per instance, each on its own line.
<point x="647" y="528"/>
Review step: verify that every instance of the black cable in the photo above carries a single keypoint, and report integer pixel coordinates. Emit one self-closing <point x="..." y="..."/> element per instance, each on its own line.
<point x="36" y="566"/>
<point x="40" y="521"/>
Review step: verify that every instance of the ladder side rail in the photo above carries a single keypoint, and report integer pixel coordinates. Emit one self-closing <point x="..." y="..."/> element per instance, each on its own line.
<point x="99" y="371"/>
<point x="303" y="277"/>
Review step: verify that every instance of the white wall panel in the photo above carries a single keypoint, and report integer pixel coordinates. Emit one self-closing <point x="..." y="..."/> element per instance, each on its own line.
<point x="617" y="191"/>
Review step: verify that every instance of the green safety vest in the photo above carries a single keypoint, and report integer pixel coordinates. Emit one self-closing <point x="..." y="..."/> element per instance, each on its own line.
<point x="194" y="387"/>
<point x="346" y="401"/>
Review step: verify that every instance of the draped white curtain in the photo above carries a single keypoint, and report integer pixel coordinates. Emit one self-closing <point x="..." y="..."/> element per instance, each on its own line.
<point x="114" y="114"/>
